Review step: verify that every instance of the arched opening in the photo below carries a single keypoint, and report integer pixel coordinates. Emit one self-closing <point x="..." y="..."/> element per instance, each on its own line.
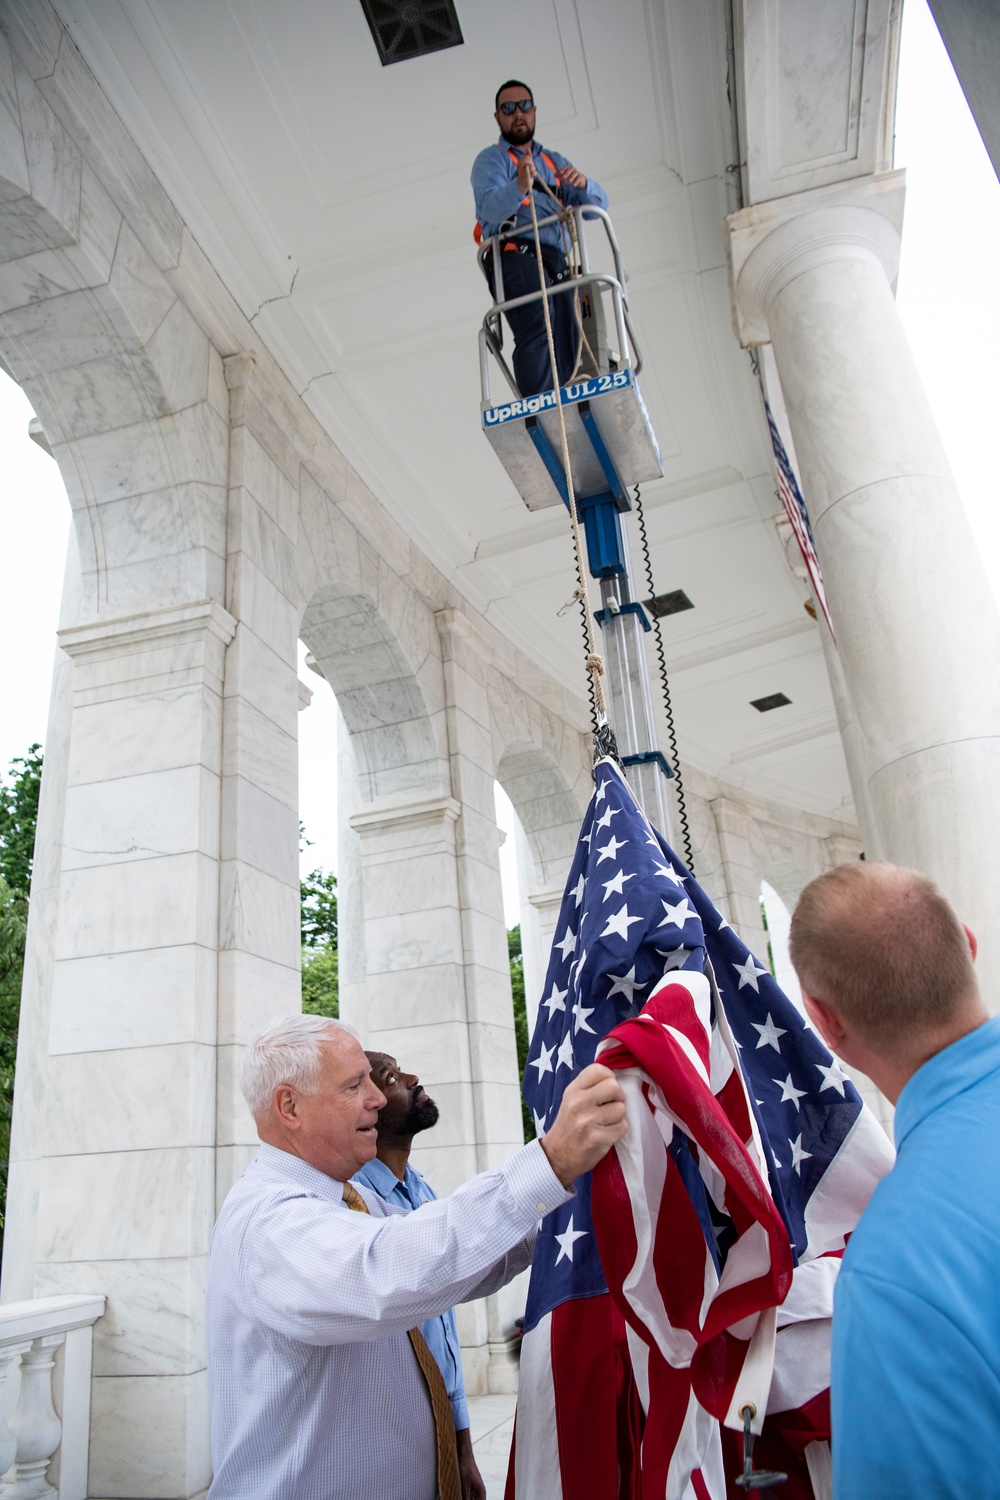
<point x="777" y="921"/>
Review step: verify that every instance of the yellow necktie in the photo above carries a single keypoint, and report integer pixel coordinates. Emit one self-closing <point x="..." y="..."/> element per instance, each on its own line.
<point x="449" y="1484"/>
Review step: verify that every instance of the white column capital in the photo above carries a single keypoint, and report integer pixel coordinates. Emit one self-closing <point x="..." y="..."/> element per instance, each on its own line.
<point x="770" y="244"/>
<point x="118" y="635"/>
<point x="382" y="817"/>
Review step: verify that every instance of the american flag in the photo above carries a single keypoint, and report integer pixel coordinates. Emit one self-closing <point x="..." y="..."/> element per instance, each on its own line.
<point x="798" y="515"/>
<point x="771" y="1150"/>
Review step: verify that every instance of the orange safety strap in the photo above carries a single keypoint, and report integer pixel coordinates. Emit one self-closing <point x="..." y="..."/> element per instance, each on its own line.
<point x="477" y="233"/>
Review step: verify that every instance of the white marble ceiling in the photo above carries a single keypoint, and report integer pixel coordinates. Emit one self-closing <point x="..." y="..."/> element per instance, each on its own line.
<point x="332" y="196"/>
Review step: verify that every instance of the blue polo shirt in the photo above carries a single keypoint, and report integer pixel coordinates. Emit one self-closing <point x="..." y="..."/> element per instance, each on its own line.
<point x="499" y="200"/>
<point x="915" y="1382"/>
<point x="441" y="1334"/>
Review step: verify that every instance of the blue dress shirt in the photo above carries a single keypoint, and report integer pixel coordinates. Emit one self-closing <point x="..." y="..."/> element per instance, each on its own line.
<point x="915" y="1383"/>
<point x="440" y="1333"/>
<point x="499" y="198"/>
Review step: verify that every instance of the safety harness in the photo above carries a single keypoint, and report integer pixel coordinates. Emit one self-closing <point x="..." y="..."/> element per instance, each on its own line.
<point x="477" y="233"/>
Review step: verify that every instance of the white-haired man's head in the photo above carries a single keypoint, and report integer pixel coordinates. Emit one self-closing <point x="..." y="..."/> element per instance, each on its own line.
<point x="308" y="1085"/>
<point x="286" y="1051"/>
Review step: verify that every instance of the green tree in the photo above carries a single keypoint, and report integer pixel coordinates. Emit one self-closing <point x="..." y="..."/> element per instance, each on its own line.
<point x="521" y="1036"/>
<point x="318" y="906"/>
<point x="18" y="817"/>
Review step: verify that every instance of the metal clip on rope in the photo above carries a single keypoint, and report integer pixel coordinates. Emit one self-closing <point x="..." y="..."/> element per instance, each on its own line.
<point x="751" y="1478"/>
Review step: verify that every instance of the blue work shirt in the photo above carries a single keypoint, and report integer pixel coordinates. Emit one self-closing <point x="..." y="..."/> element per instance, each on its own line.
<point x="499" y="200"/>
<point x="915" y="1383"/>
<point x="441" y="1334"/>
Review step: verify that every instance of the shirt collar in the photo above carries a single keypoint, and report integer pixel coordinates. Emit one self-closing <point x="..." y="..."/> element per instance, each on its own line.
<point x="945" y="1075"/>
<point x="375" y="1174"/>
<point x="293" y="1169"/>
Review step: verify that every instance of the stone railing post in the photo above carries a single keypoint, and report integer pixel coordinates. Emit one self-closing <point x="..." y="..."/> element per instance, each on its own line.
<point x="44" y="1445"/>
<point x="35" y="1426"/>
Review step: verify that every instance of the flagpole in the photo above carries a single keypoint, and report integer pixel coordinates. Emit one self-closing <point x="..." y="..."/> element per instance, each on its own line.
<point x="624" y="624"/>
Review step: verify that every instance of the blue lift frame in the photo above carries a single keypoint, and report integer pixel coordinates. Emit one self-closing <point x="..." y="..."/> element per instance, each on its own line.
<point x="601" y="514"/>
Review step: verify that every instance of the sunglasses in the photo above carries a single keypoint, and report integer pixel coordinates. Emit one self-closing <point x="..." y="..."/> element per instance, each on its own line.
<point x="511" y="106"/>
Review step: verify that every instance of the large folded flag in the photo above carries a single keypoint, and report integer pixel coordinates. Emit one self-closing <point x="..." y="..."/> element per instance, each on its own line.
<point x="749" y="1159"/>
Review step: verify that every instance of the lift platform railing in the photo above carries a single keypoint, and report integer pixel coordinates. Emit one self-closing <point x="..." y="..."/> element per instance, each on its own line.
<point x="601" y="282"/>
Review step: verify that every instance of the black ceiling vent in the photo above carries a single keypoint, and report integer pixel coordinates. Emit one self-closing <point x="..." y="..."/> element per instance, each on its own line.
<point x="773" y="700"/>
<point x="411" y="28"/>
<point x="668" y="604"/>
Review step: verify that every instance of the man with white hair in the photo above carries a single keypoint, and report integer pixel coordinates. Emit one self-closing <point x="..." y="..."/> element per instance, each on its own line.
<point x="321" y="1385"/>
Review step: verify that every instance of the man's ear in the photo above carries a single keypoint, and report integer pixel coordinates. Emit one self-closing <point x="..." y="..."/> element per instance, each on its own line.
<point x="973" y="944"/>
<point x="286" y="1106"/>
<point x="826" y="1021"/>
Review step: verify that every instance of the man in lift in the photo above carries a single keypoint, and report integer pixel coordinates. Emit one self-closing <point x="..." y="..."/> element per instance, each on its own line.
<point x="503" y="175"/>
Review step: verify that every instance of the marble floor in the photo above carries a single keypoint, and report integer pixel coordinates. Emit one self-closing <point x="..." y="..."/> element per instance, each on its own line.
<point x="491" y="1420"/>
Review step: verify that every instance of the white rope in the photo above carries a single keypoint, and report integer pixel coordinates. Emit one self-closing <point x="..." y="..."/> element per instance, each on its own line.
<point x="594" y="661"/>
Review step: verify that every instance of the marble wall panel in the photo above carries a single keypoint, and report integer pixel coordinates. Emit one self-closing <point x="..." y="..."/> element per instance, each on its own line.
<point x="437" y="1050"/>
<point x="129" y="460"/>
<point x="91" y="397"/>
<point x="171" y="1412"/>
<point x="123" y="170"/>
<point x="256" y="536"/>
<point x="258" y="914"/>
<point x="179" y="352"/>
<point x="141" y="817"/>
<point x="54" y="160"/>
<point x="142" y="296"/>
<point x="261" y="605"/>
<point x="268" y="484"/>
<point x="133" y="1100"/>
<point x="400" y="781"/>
<point x="126" y="1205"/>
<point x="260" y="831"/>
<point x="252" y="992"/>
<point x="261" y="678"/>
<point x="278" y="426"/>
<point x="420" y="883"/>
<point x="37" y="32"/>
<point x="63" y="331"/>
<point x="446" y="1168"/>
<point x="154" y="1323"/>
<point x="493" y="1055"/>
<point x="234" y="1124"/>
<point x="413" y="997"/>
<point x="157" y="903"/>
<point x="262" y="751"/>
<point x="204" y="449"/>
<point x="412" y="940"/>
<point x="151" y="998"/>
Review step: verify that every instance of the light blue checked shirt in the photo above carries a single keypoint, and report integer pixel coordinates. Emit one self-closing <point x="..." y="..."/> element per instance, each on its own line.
<point x="315" y="1391"/>
<point x="440" y="1334"/>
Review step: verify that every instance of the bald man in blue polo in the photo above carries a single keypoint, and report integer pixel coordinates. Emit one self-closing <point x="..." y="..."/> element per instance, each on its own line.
<point x="887" y="975"/>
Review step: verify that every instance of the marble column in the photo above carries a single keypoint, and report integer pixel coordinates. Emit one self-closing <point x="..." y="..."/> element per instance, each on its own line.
<point x="741" y="875"/>
<point x="258" y="936"/>
<point x="917" y="627"/>
<point x="121" y="1142"/>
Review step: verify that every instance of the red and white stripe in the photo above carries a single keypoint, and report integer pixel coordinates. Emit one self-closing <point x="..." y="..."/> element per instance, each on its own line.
<point x="701" y="1344"/>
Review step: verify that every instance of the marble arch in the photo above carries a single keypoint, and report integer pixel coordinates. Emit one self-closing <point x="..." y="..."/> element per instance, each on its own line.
<point x="128" y="389"/>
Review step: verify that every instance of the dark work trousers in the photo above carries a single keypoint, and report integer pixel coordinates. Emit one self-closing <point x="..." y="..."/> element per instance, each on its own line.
<point x="531" y="349"/>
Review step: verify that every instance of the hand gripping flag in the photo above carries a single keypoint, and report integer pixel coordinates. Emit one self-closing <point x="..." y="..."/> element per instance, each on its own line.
<point x="749" y="1159"/>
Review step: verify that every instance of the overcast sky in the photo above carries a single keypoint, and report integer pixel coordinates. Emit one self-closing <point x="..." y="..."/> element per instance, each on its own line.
<point x="948" y="299"/>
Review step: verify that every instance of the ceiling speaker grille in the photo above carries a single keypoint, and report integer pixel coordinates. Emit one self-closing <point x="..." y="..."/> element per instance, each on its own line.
<point x="668" y="604"/>
<point x="410" y="28"/>
<point x="773" y="700"/>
